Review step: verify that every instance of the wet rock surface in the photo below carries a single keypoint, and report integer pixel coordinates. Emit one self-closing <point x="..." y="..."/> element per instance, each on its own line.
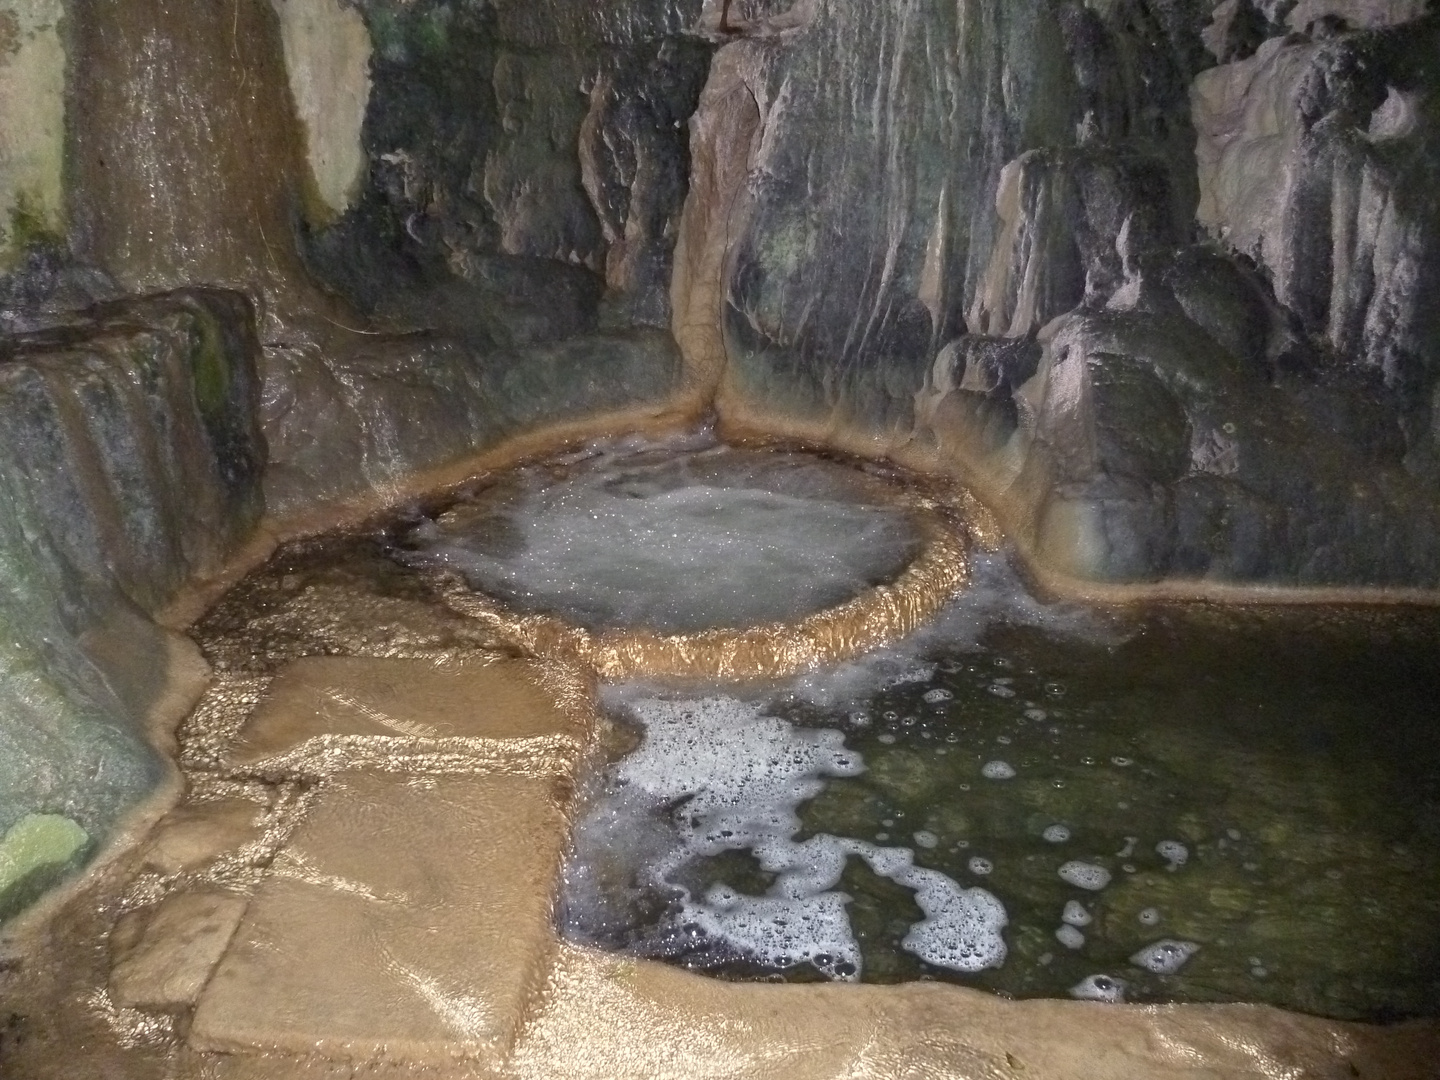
<point x="1030" y="193"/>
<point x="133" y="464"/>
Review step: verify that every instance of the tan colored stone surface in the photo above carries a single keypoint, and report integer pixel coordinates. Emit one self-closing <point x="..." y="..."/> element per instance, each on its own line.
<point x="414" y="708"/>
<point x="191" y="836"/>
<point x="612" y="1017"/>
<point x="406" y="920"/>
<point x="163" y="956"/>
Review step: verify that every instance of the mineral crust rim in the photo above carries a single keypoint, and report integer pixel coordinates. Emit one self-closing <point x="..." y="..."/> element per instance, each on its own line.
<point x="767" y="650"/>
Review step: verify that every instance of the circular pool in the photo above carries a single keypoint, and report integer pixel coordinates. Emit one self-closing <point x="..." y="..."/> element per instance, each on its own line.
<point x="708" y="561"/>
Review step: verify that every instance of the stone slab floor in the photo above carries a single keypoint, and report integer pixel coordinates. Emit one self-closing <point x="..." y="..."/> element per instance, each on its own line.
<point x="358" y="882"/>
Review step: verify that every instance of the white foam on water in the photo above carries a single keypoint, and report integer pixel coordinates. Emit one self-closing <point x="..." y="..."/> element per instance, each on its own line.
<point x="1166" y="956"/>
<point x="727" y="776"/>
<point x="780" y="932"/>
<point x="997" y="770"/>
<point x="980" y="865"/>
<point x="1104" y="988"/>
<point x="1056" y="834"/>
<point x="1075" y="914"/>
<point x="961" y="928"/>
<point x="1149" y="916"/>
<point x="1084" y="875"/>
<point x="1173" y="852"/>
<point x="1070" y="937"/>
<point x="674" y="542"/>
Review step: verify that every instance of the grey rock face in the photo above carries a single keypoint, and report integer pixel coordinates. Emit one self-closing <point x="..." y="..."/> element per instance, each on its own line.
<point x="132" y="461"/>
<point x="883" y="198"/>
<point x="866" y="233"/>
<point x="1313" y="157"/>
<point x="548" y="136"/>
<point x="396" y="406"/>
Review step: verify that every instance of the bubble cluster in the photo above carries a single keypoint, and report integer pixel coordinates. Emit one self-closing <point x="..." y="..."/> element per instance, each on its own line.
<point x="1070" y="937"/>
<point x="980" y="865"/>
<point x="1104" y="988"/>
<point x="731" y="778"/>
<point x="1056" y="834"/>
<point x="1165" y="957"/>
<point x="997" y="770"/>
<point x="1084" y="875"/>
<point x="1173" y="852"/>
<point x="1075" y="914"/>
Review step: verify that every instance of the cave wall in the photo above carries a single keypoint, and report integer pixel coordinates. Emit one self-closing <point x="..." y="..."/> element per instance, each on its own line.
<point x="1169" y="315"/>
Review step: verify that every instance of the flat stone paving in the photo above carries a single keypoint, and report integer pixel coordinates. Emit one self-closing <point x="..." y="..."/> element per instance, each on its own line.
<point x="407" y="919"/>
<point x="325" y="713"/>
<point x="409" y="916"/>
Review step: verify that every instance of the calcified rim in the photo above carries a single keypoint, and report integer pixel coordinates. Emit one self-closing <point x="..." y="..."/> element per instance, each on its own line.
<point x="769" y="650"/>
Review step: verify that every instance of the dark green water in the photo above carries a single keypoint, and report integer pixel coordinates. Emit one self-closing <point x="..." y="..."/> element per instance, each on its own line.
<point x="1296" y="755"/>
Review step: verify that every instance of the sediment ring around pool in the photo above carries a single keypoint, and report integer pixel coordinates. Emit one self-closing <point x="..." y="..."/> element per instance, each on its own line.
<point x="875" y="616"/>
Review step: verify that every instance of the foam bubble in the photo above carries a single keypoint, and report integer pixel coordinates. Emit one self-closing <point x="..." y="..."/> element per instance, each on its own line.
<point x="1166" y="956"/>
<point x="1084" y="875"/>
<point x="961" y="928"/>
<point x="934" y="697"/>
<point x="926" y="839"/>
<point x="1075" y="914"/>
<point x="1104" y="988"/>
<point x="1173" y="852"/>
<point x="781" y="932"/>
<point x="995" y="596"/>
<point x="997" y="770"/>
<point x="1149" y="916"/>
<point x="980" y="865"/>
<point x="731" y="777"/>
<point x="1070" y="937"/>
<point x="1056" y="834"/>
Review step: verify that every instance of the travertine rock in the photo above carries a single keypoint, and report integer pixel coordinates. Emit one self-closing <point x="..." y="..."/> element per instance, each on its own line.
<point x="493" y="700"/>
<point x="327" y="59"/>
<point x="32" y="133"/>
<point x="392" y="407"/>
<point x="191" y="836"/>
<point x="132" y="463"/>
<point x="163" y="956"/>
<point x="614" y="1017"/>
<point x="1307" y="153"/>
<point x="405" y="921"/>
